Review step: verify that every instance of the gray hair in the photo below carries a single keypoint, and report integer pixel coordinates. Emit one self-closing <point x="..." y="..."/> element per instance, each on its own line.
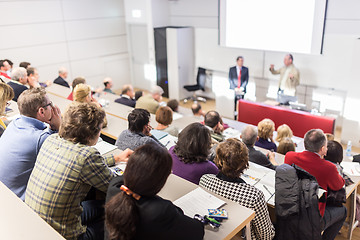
<point x="249" y="135"/>
<point x="17" y="73"/>
<point x="62" y="70"/>
<point x="157" y="90"/>
<point x="314" y="140"/>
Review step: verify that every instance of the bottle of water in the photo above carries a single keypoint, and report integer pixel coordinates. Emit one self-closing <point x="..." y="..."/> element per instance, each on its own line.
<point x="348" y="149"/>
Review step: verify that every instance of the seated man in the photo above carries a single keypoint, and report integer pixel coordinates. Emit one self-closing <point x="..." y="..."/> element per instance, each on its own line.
<point x="312" y="160"/>
<point x="66" y="168"/>
<point x="23" y="138"/>
<point x="249" y="135"/>
<point x="61" y="79"/>
<point x="108" y="83"/>
<point x="127" y="96"/>
<point x="75" y="82"/>
<point x="151" y="101"/>
<point x="197" y="111"/>
<point x="213" y="122"/>
<point x="18" y="81"/>
<point x="138" y="133"/>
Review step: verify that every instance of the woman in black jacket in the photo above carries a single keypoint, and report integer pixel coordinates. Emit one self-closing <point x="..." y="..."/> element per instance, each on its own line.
<point x="134" y="211"/>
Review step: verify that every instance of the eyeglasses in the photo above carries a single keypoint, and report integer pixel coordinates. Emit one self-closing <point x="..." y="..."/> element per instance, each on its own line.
<point x="49" y="104"/>
<point x="8" y="104"/>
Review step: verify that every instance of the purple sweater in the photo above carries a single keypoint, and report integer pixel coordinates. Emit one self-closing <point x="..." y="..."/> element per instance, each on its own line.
<point x="264" y="143"/>
<point x="191" y="171"/>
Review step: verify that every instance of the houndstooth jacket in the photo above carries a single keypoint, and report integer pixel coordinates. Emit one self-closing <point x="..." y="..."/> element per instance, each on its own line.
<point x="247" y="196"/>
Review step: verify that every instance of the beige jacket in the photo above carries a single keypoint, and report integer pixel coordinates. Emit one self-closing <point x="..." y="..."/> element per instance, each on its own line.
<point x="290" y="84"/>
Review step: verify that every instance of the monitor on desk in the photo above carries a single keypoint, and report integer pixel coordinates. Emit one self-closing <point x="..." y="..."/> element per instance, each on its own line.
<point x="285" y="99"/>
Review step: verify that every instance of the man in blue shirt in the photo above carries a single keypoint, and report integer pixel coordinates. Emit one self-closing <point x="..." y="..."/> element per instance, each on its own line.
<point x="22" y="139"/>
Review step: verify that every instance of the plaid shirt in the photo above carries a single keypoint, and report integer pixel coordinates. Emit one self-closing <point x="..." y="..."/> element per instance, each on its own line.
<point x="63" y="174"/>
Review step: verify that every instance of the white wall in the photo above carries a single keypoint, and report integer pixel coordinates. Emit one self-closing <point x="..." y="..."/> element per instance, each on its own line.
<point x="337" y="68"/>
<point x="87" y="37"/>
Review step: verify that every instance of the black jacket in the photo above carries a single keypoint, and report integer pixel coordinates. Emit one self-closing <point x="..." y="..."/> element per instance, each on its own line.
<point x="296" y="204"/>
<point x="159" y="218"/>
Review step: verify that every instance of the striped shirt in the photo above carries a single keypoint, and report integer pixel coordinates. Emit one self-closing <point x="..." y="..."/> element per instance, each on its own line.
<point x="63" y="174"/>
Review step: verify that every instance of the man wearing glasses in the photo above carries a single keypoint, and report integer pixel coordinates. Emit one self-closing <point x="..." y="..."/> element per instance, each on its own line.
<point x="22" y="139"/>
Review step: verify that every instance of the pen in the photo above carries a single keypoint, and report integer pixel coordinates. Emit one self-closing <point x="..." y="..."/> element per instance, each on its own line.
<point x="167" y="143"/>
<point x="267" y="189"/>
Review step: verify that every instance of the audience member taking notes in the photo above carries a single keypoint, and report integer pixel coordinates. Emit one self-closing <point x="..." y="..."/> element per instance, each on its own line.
<point x="232" y="159"/>
<point x="21" y="142"/>
<point x="72" y="167"/>
<point x="134" y="211"/>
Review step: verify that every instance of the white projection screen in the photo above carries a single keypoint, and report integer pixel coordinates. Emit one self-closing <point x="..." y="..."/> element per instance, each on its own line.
<point x="274" y="25"/>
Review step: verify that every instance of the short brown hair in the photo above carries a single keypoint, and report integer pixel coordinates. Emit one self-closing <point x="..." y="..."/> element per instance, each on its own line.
<point x="164" y="115"/>
<point x="77" y="81"/>
<point x="6" y="94"/>
<point x="266" y="127"/>
<point x="81" y="122"/>
<point x="232" y="157"/>
<point x="81" y="91"/>
<point x="30" y="101"/>
<point x="286" y="145"/>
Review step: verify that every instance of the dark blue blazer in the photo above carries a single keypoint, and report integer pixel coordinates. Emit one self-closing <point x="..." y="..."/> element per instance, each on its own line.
<point x="18" y="89"/>
<point x="126" y="101"/>
<point x="233" y="77"/>
<point x="59" y="80"/>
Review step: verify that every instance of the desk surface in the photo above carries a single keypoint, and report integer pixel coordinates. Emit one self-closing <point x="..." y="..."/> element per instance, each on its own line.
<point x="239" y="216"/>
<point x="18" y="221"/>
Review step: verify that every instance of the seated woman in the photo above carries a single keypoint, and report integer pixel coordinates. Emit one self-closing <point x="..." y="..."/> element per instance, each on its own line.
<point x="266" y="128"/>
<point x="164" y="117"/>
<point x="134" y="211"/>
<point x="286" y="145"/>
<point x="6" y="94"/>
<point x="190" y="153"/>
<point x="232" y="159"/>
<point x="82" y="94"/>
<point x="283" y="131"/>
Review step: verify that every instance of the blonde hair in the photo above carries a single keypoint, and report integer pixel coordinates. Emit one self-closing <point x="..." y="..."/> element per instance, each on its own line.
<point x="6" y="94"/>
<point x="266" y="127"/>
<point x="81" y="92"/>
<point x="283" y="131"/>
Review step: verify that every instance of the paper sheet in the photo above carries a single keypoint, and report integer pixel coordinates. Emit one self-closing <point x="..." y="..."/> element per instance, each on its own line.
<point x="198" y="201"/>
<point x="351" y="168"/>
<point x="104" y="147"/>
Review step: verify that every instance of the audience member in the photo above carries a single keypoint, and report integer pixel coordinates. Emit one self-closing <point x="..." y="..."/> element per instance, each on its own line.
<point x="232" y="159"/>
<point x="286" y="145"/>
<point x="213" y="122"/>
<point x="151" y="101"/>
<point x="249" y="135"/>
<point x="283" y="131"/>
<point x="326" y="175"/>
<point x="61" y="79"/>
<point x="138" y="133"/>
<point x="23" y="138"/>
<point x="25" y="65"/>
<point x="138" y="94"/>
<point x="4" y="67"/>
<point x="190" y="153"/>
<point x="33" y="77"/>
<point x="266" y="128"/>
<point x="127" y="96"/>
<point x="164" y="117"/>
<point x="330" y="137"/>
<point x="11" y="64"/>
<point x="173" y="104"/>
<point x="75" y="82"/>
<point x="134" y="211"/>
<point x="108" y="84"/>
<point x="6" y="94"/>
<point x="18" y="81"/>
<point x="82" y="94"/>
<point x="197" y="111"/>
<point x="73" y="167"/>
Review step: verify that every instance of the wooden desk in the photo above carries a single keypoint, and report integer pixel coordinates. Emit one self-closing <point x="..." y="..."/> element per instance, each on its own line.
<point x="239" y="216"/>
<point x="18" y="221"/>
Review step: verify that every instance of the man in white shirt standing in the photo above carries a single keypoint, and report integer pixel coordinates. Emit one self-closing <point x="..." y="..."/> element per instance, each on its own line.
<point x="289" y="76"/>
